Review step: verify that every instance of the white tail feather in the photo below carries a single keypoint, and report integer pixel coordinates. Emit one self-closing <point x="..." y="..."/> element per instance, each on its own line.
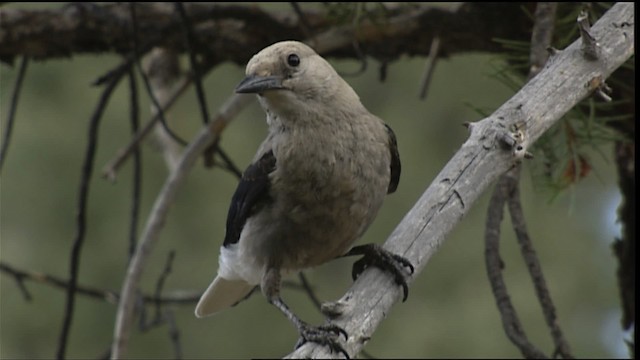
<point x="221" y="294"/>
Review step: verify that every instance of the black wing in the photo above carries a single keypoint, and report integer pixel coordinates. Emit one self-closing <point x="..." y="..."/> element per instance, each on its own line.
<point x="252" y="191"/>
<point x="395" y="161"/>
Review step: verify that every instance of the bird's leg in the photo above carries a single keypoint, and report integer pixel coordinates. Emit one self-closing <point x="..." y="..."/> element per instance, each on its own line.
<point x="324" y="334"/>
<point x="377" y="256"/>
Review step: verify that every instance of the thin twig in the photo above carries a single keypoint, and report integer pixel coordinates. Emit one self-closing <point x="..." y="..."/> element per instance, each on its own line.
<point x="195" y="68"/>
<point x="174" y="333"/>
<point x="162" y="66"/>
<point x="430" y="67"/>
<point x="158" y="215"/>
<point x="535" y="270"/>
<point x="197" y="77"/>
<point x="162" y="316"/>
<point x="108" y="296"/>
<point x="137" y="165"/>
<point x="110" y="169"/>
<point x="541" y="36"/>
<point x="145" y="78"/>
<point x="81" y="223"/>
<point x="163" y="277"/>
<point x="508" y="190"/>
<point x="12" y="110"/>
<point x="494" y="264"/>
<point x="19" y="277"/>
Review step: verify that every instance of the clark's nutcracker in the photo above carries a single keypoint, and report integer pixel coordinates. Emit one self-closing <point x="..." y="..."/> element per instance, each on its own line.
<point x="312" y="189"/>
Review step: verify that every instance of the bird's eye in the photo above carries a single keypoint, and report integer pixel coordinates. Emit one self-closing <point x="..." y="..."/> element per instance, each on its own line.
<point x="293" y="60"/>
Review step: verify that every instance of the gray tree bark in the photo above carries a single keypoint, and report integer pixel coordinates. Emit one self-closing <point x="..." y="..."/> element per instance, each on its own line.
<point x="568" y="77"/>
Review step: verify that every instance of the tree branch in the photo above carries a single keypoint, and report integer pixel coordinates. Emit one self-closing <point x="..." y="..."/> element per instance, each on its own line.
<point x="81" y="223"/>
<point x="478" y="163"/>
<point x="235" y="32"/>
<point x="6" y="138"/>
<point x="507" y="190"/>
<point x="134" y="115"/>
<point x="507" y="184"/>
<point x="155" y="222"/>
<point x="535" y="270"/>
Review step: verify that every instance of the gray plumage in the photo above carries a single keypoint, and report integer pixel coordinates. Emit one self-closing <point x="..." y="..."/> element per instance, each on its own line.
<point x="315" y="184"/>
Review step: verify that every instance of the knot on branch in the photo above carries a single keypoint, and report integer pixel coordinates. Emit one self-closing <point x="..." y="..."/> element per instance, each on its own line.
<point x="516" y="140"/>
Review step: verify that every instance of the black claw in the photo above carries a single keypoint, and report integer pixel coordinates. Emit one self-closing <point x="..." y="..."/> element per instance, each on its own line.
<point x="324" y="335"/>
<point x="358" y="268"/>
<point x="383" y="259"/>
<point x="404" y="262"/>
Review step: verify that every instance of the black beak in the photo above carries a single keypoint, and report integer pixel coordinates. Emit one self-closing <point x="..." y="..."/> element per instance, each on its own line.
<point x="257" y="84"/>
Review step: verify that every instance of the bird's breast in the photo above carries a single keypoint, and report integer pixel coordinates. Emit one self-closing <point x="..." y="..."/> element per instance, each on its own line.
<point x="330" y="184"/>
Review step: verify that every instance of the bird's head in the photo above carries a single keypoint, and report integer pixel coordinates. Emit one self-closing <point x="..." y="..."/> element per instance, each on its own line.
<point x="290" y="75"/>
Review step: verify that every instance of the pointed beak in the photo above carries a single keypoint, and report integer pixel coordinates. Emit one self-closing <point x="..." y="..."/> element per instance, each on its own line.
<point x="258" y="84"/>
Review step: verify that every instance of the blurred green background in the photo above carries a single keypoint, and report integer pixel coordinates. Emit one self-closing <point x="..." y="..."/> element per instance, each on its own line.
<point x="450" y="311"/>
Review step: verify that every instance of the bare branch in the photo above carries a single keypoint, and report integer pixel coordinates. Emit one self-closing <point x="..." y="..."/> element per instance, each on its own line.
<point x="429" y="68"/>
<point x="158" y="215"/>
<point x="162" y="66"/>
<point x="162" y="278"/>
<point x="6" y="138"/>
<point x="147" y="84"/>
<point x="233" y="33"/>
<point x="137" y="164"/>
<point x="541" y="36"/>
<point x="507" y="191"/>
<point x="110" y="169"/>
<point x="83" y="197"/>
<point x="195" y="68"/>
<point x="510" y="321"/>
<point x="478" y="163"/>
<point x="100" y="294"/>
<point x="533" y="264"/>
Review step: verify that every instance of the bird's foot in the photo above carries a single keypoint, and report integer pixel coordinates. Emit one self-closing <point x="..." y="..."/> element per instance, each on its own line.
<point x="383" y="259"/>
<point x="327" y="335"/>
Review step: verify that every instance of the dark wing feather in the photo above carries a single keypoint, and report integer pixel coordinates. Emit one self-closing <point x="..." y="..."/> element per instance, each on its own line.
<point x="395" y="161"/>
<point x="252" y="191"/>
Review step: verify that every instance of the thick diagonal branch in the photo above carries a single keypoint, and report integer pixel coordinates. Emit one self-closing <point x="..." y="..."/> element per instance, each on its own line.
<point x="480" y="161"/>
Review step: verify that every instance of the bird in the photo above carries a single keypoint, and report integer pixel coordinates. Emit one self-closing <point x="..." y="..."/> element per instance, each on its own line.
<point x="314" y="186"/>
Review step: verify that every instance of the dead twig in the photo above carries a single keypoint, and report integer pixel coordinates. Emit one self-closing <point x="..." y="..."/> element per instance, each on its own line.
<point x="81" y="223"/>
<point x="507" y="191"/>
<point x="430" y="67"/>
<point x="158" y="215"/>
<point x="145" y="78"/>
<point x="535" y="269"/>
<point x="134" y="114"/>
<point x="109" y="296"/>
<point x="494" y="264"/>
<point x="6" y="138"/>
<point x="110" y="169"/>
